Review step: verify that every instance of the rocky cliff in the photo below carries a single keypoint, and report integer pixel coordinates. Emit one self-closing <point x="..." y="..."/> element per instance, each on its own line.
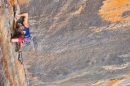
<point x="12" y="72"/>
<point x="77" y="42"/>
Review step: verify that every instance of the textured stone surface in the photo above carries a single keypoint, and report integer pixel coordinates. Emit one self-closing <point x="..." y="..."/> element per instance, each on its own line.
<point x="2" y="78"/>
<point x="74" y="44"/>
<point x="11" y="71"/>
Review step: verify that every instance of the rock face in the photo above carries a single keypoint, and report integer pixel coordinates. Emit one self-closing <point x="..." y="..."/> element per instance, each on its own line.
<point x="77" y="42"/>
<point x="11" y="70"/>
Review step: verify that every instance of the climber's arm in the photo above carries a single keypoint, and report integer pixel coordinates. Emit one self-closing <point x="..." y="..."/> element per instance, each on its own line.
<point x="25" y="22"/>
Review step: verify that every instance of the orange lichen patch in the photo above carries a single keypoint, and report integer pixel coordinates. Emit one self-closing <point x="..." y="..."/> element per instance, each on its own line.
<point x="22" y="2"/>
<point x="12" y="2"/>
<point x="112" y="10"/>
<point x="113" y="83"/>
<point x="117" y="82"/>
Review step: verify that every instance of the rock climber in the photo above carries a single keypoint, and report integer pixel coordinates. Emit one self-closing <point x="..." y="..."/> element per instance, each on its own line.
<point x="22" y="33"/>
